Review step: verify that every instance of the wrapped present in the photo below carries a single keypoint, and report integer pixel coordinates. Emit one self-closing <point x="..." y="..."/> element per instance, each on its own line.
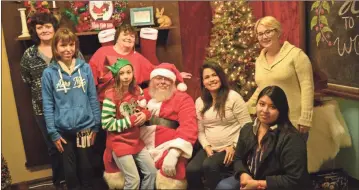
<point x="330" y="180"/>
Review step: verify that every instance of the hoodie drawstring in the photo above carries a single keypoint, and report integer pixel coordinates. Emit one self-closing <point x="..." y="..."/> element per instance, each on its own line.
<point x="63" y="82"/>
<point x="82" y="82"/>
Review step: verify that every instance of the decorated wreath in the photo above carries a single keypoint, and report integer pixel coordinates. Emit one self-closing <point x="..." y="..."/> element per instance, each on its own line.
<point x="33" y="7"/>
<point x="95" y="15"/>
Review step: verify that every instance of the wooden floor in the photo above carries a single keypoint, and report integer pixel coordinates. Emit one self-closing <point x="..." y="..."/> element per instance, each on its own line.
<point x="99" y="184"/>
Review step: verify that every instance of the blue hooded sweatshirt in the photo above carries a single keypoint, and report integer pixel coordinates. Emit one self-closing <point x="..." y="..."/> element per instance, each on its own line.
<point x="70" y="101"/>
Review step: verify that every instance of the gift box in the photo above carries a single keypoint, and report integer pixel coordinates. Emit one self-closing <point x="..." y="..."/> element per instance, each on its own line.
<point x="330" y="180"/>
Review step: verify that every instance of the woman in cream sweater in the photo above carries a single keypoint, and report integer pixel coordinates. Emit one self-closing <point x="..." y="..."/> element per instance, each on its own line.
<point x="221" y="114"/>
<point x="287" y="67"/>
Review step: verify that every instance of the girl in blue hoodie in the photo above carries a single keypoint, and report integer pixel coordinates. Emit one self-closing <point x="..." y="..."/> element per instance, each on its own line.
<point x="71" y="108"/>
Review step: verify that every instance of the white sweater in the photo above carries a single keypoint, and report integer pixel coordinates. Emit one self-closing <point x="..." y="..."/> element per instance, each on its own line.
<point x="222" y="133"/>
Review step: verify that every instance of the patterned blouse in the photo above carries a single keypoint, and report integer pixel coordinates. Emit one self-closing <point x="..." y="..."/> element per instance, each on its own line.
<point x="32" y="64"/>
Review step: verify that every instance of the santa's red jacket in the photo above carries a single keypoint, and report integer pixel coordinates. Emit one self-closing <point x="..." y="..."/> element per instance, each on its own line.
<point x="159" y="139"/>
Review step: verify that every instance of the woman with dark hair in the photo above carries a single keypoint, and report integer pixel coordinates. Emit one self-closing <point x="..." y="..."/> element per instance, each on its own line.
<point x="124" y="48"/>
<point x="221" y="114"/>
<point x="270" y="154"/>
<point x="42" y="27"/>
<point x="125" y="38"/>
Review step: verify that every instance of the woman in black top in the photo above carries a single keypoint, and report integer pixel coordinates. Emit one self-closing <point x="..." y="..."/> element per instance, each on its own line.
<point x="270" y="153"/>
<point x="42" y="27"/>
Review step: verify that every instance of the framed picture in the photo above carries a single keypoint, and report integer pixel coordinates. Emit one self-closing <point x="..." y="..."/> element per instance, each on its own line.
<point x="141" y="16"/>
<point x="101" y="10"/>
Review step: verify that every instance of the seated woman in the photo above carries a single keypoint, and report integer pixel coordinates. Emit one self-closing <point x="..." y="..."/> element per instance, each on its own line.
<point x="270" y="154"/>
<point x="221" y="114"/>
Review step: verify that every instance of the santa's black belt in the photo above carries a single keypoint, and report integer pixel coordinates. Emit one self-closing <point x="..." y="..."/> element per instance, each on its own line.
<point x="163" y="122"/>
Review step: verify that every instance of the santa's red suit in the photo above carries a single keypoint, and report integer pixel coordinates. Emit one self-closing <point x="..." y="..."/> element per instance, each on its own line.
<point x="159" y="139"/>
<point x="173" y="125"/>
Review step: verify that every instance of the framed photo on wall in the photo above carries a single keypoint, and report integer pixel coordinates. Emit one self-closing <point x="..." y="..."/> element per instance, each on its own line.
<point x="142" y="16"/>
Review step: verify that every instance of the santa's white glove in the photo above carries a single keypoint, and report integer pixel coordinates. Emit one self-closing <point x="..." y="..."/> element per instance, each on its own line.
<point x="170" y="162"/>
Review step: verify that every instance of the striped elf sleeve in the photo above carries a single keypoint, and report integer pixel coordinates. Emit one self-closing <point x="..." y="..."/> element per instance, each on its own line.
<point x="108" y="118"/>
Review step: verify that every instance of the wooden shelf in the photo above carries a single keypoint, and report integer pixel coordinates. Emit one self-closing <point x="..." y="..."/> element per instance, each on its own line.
<point x="96" y="32"/>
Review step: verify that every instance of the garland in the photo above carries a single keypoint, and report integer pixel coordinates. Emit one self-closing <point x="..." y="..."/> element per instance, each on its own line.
<point x="319" y="22"/>
<point x="79" y="14"/>
<point x="33" y="7"/>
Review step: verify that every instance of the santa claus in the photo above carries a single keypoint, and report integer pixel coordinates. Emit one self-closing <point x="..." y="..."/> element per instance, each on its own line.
<point x="172" y="129"/>
<point x="170" y="133"/>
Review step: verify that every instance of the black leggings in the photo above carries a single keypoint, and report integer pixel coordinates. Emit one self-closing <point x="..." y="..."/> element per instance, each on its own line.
<point x="77" y="164"/>
<point x="209" y="167"/>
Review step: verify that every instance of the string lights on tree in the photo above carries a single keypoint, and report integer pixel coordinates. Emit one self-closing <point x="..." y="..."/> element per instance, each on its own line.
<point x="233" y="44"/>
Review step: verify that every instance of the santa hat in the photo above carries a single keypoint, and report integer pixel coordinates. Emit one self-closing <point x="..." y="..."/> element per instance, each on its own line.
<point x="170" y="71"/>
<point x="149" y="33"/>
<point x="107" y="35"/>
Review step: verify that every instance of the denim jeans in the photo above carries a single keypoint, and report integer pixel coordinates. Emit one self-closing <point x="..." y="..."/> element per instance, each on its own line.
<point x="144" y="161"/>
<point x="55" y="156"/>
<point x="228" y="183"/>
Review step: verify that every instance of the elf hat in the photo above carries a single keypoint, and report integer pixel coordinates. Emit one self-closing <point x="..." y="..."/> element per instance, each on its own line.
<point x="170" y="71"/>
<point x="115" y="68"/>
<point x="107" y="35"/>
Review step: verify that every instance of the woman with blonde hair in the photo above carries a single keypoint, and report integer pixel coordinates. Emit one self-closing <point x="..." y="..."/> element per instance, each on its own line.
<point x="289" y="68"/>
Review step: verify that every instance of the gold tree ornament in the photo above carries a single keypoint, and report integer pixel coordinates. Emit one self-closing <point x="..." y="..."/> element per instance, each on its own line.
<point x="233" y="44"/>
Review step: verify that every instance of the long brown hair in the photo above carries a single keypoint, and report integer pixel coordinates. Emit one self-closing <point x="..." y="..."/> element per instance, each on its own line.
<point x="66" y="36"/>
<point x="132" y="88"/>
<point x="222" y="93"/>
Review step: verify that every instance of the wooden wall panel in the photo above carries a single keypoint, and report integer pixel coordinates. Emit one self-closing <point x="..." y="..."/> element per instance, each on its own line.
<point x="35" y="148"/>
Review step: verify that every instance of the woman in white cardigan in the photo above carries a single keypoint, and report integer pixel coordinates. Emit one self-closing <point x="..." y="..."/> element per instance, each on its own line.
<point x="221" y="113"/>
<point x="288" y="67"/>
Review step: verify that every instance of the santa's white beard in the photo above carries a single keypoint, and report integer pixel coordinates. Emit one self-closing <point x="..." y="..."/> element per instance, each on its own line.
<point x="159" y="94"/>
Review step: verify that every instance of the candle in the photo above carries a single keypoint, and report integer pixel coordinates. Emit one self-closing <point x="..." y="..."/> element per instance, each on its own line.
<point x="53" y="4"/>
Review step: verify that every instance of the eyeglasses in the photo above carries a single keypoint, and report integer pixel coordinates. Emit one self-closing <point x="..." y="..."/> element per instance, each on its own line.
<point x="267" y="33"/>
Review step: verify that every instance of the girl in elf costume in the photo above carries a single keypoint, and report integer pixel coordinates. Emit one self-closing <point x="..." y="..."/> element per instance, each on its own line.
<point x="123" y="112"/>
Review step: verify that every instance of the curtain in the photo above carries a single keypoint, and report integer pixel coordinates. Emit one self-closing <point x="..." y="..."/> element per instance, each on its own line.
<point x="290" y="14"/>
<point x="195" y="21"/>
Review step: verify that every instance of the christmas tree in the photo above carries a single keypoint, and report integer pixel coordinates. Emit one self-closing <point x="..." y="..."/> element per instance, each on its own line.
<point x="5" y="174"/>
<point x="233" y="44"/>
